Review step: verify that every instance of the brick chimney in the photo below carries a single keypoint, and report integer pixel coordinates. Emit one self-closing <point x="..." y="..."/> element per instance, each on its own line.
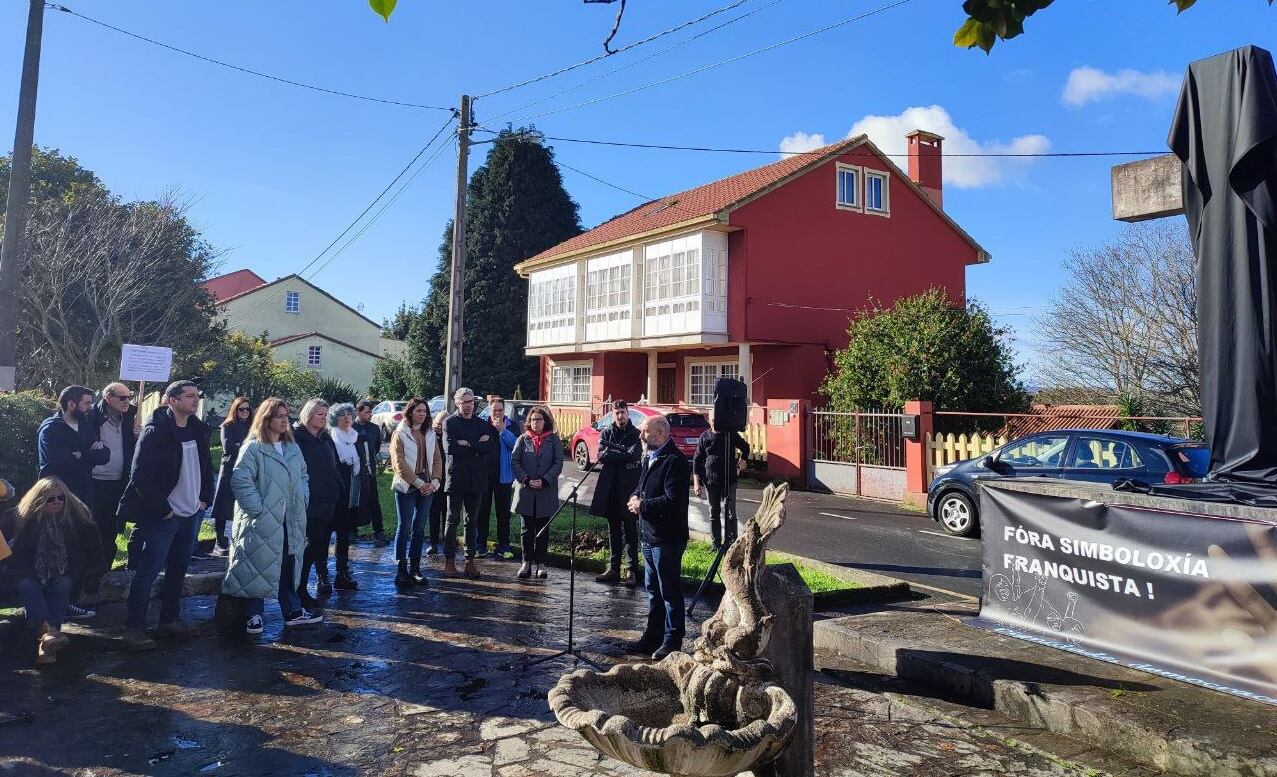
<point x="925" y="163"/>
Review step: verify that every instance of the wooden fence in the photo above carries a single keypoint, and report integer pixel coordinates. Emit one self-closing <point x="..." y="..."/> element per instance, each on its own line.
<point x="945" y="449"/>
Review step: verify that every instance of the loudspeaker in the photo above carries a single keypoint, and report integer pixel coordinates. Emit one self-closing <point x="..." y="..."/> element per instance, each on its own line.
<point x="731" y="413"/>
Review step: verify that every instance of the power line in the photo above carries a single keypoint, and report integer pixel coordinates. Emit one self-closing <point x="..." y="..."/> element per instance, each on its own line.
<point x="728" y="61"/>
<point x="722" y="150"/>
<point x="239" y="69"/>
<point x="636" y="62"/>
<point x="266" y="300"/>
<point x="600" y="57"/>
<point x="593" y="177"/>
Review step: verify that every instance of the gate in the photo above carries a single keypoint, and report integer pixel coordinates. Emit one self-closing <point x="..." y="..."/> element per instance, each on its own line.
<point x="861" y="453"/>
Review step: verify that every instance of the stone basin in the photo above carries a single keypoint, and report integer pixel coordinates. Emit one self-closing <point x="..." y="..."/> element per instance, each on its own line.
<point x="635" y="714"/>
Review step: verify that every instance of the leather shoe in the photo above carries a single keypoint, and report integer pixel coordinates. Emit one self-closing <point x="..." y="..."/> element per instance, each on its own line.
<point x="640" y="647"/>
<point x="610" y="576"/>
<point x="663" y="651"/>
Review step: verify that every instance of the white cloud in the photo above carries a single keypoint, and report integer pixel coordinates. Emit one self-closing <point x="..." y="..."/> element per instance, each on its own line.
<point x="1087" y="84"/>
<point x="800" y="142"/>
<point x="965" y="172"/>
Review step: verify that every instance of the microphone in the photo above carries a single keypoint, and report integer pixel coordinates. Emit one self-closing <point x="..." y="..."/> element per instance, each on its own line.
<point x="613" y="446"/>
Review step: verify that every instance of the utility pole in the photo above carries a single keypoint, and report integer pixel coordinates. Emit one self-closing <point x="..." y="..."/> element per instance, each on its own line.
<point x="456" y="299"/>
<point x="14" y="250"/>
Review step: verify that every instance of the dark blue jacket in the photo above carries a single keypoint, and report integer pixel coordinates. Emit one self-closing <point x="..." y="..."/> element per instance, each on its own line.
<point x="58" y="443"/>
<point x="157" y="465"/>
<point x="663" y="495"/>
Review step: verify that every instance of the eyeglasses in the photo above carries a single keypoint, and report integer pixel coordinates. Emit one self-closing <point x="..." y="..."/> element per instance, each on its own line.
<point x="125" y="397"/>
<point x="245" y="409"/>
<point x="56" y="498"/>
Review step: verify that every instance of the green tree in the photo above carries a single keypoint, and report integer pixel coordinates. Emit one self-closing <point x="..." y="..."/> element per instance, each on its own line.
<point x="989" y="20"/>
<point x="398" y="325"/>
<point x="392" y="378"/>
<point x="925" y="348"/>
<point x="516" y="208"/>
<point x="240" y="364"/>
<point x="21" y="414"/>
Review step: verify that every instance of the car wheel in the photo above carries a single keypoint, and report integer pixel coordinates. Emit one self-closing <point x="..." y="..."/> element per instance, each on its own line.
<point x="581" y="454"/>
<point x="957" y="514"/>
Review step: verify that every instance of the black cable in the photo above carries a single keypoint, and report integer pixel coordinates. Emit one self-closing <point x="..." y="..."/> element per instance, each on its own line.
<point x="610" y="52"/>
<point x="237" y="68"/>
<point x="636" y="62"/>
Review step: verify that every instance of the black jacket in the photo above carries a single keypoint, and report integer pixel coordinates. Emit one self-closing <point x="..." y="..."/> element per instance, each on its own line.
<point x="467" y="465"/>
<point x="233" y="436"/>
<point x="157" y="465"/>
<point x="711" y="449"/>
<point x="98" y="415"/>
<point x="321" y="467"/>
<point x="663" y="494"/>
<point x="372" y="432"/>
<point x="620" y="472"/>
<point x="57" y="444"/>
<point x="83" y="546"/>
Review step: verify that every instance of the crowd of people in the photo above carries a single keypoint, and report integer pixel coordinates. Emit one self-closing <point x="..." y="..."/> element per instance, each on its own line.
<point x="284" y="492"/>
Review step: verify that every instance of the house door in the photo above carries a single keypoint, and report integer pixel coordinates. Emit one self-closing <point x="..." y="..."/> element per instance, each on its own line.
<point x="665" y="380"/>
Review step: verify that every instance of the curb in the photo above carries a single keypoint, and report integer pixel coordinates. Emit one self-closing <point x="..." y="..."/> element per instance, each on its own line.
<point x="1159" y="732"/>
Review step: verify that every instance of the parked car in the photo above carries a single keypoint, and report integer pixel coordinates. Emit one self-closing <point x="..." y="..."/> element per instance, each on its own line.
<point x="1098" y="456"/>
<point x="517" y="409"/>
<point x="387" y="415"/>
<point x="686" y="427"/>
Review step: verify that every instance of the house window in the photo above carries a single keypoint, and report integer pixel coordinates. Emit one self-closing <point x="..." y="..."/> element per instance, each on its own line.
<point x="877" y="198"/>
<point x="607" y="294"/>
<point x="848" y="186"/>
<point x="670" y="277"/>
<point x="292" y="302"/>
<point x="702" y="376"/>
<point x="313" y="357"/>
<point x="552" y="303"/>
<point x="570" y="384"/>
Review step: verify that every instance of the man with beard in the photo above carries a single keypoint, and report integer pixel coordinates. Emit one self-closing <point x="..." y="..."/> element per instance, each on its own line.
<point x="67" y="445"/>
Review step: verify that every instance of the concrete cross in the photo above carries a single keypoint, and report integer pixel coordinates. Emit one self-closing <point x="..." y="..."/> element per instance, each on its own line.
<point x="1147" y="189"/>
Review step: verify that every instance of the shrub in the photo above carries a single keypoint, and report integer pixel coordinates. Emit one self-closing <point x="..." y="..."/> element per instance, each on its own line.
<point x="335" y="391"/>
<point x="20" y="417"/>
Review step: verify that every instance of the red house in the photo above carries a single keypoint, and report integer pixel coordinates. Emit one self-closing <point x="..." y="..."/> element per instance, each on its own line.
<point x="755" y="275"/>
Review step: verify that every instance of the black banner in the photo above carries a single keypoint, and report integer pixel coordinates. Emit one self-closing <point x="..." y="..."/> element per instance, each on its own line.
<point x="1186" y="596"/>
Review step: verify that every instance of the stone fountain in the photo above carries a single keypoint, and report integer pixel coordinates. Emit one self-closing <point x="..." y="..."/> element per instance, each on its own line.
<point x="714" y="713"/>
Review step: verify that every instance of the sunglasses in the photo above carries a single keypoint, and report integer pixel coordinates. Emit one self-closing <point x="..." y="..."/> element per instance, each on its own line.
<point x="56" y="498"/>
<point x="125" y="397"/>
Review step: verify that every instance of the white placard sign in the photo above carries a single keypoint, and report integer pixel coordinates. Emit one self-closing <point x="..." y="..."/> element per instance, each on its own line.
<point x="151" y="363"/>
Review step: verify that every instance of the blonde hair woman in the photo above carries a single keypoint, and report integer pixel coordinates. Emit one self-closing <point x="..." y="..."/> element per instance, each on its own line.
<point x="268" y="535"/>
<point x="56" y="548"/>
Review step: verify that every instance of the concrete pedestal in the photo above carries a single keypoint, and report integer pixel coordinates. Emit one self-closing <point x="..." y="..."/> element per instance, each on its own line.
<point x="789" y="600"/>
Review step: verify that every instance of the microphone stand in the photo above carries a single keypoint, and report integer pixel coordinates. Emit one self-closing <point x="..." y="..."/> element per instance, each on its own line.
<point x="570" y="650"/>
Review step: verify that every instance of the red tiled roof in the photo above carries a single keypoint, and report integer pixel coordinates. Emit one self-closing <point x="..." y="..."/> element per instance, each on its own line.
<point x="1049" y="418"/>
<point x="229" y="285"/>
<point x="700" y="202"/>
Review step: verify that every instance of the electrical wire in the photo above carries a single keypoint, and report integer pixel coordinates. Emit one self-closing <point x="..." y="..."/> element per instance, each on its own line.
<point x="636" y="62"/>
<point x="612" y="52"/>
<point x="724" y="150"/>
<point x="239" y="69"/>
<point x="728" y="61"/>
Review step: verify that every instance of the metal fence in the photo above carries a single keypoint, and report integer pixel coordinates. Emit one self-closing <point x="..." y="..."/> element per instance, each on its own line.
<point x="869" y="437"/>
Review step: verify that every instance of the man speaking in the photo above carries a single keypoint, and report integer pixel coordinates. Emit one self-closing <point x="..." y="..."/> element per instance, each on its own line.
<point x="660" y="502"/>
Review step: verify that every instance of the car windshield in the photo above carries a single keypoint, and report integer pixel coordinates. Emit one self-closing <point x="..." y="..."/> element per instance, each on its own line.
<point x="400" y="406"/>
<point x="1194" y="459"/>
<point x="688" y="421"/>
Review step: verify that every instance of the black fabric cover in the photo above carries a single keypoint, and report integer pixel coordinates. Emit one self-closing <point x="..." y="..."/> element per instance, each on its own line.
<point x="1225" y="133"/>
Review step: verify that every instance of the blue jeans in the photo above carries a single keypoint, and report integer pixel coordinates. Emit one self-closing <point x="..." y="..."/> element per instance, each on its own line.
<point x="666" y="618"/>
<point x="413" y="511"/>
<point x="45" y="603"/>
<point x="288" y="601"/>
<point x="166" y="545"/>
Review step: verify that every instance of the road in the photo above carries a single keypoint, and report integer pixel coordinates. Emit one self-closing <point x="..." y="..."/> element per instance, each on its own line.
<point x="861" y="533"/>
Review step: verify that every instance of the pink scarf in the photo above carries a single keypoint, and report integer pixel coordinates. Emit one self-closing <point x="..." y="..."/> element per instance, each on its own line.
<point x="537" y="439"/>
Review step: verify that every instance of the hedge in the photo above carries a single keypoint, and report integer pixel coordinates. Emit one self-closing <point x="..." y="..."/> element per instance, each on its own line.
<point x="21" y="414"/>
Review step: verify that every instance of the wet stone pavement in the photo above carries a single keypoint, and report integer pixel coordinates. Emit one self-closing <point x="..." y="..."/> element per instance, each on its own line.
<point x="426" y="683"/>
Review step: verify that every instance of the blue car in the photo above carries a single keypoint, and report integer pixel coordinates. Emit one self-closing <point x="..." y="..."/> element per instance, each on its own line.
<point x="1095" y="455"/>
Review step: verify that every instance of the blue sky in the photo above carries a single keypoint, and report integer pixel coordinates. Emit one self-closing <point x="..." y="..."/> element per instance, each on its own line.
<point x="275" y="172"/>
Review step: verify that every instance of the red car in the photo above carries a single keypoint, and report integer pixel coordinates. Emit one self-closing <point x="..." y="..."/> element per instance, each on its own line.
<point x="686" y="427"/>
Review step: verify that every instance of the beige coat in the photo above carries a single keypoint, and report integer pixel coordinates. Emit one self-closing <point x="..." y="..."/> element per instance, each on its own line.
<point x="410" y="449"/>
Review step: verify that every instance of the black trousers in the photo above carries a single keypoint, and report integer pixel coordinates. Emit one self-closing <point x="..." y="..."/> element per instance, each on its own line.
<point x="469" y="502"/>
<point x="498" y="496"/>
<point x="622" y="530"/>
<point x="534" y="543"/>
<point x="722" y="512"/>
<point x="438" y="516"/>
<point x="374" y="506"/>
<point x="106" y="514"/>
<point x="318" y="535"/>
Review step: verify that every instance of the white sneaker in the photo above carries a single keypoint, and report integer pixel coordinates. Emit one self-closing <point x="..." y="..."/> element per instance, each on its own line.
<point x="254" y="625"/>
<point x="303" y="618"/>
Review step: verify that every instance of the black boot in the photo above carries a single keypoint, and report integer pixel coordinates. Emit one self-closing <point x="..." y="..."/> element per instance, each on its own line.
<point x="415" y="573"/>
<point x="322" y="586"/>
<point x="308" y="602"/>
<point x="402" y="578"/>
<point x="344" y="582"/>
